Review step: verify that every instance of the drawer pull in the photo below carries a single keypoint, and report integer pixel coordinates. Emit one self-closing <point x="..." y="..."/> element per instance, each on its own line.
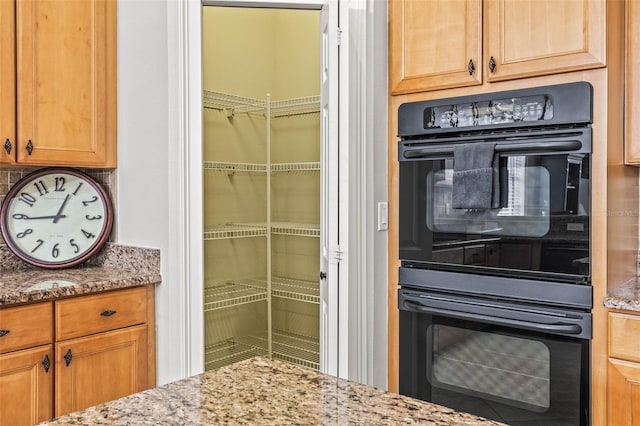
<point x="46" y="363"/>
<point x="107" y="313"/>
<point x="67" y="357"/>
<point x="4" y="332"/>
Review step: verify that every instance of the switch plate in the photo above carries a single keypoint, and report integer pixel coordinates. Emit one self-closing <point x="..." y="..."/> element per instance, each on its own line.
<point x="383" y="216"/>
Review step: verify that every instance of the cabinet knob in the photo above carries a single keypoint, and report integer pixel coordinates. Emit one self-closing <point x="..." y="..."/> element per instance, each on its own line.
<point x="107" y="313"/>
<point x="492" y="64"/>
<point x="67" y="357"/>
<point x="4" y="332"/>
<point x="7" y="146"/>
<point x="471" y="68"/>
<point x="29" y="147"/>
<point x="46" y="363"/>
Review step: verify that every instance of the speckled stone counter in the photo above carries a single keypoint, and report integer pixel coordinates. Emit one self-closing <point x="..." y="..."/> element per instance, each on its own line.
<point x="625" y="296"/>
<point x="263" y="392"/>
<point x="115" y="267"/>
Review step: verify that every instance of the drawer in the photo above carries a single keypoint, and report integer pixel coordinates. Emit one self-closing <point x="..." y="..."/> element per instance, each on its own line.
<point x="26" y="326"/>
<point x="624" y="330"/>
<point x="102" y="312"/>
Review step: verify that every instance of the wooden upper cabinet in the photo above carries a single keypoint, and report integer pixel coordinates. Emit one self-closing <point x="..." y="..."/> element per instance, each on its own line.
<point x="434" y="44"/>
<point x="7" y="82"/>
<point x="58" y="82"/>
<point x="632" y="103"/>
<point x="531" y="38"/>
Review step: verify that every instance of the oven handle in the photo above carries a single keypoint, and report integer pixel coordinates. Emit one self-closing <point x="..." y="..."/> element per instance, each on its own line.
<point x="572" y="145"/>
<point x="527" y="325"/>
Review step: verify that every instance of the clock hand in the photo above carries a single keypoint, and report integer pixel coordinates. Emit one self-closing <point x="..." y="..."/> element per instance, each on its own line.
<point x="59" y="214"/>
<point x="24" y="216"/>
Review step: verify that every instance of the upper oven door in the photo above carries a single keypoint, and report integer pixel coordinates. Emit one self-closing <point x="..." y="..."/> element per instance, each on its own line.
<point x="538" y="224"/>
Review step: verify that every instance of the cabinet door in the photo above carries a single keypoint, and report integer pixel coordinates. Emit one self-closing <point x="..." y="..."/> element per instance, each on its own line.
<point x="531" y="37"/>
<point x="623" y="393"/>
<point x="99" y="368"/>
<point x="26" y="386"/>
<point x="66" y="82"/>
<point x="7" y="82"/>
<point x="632" y="136"/>
<point x="434" y="44"/>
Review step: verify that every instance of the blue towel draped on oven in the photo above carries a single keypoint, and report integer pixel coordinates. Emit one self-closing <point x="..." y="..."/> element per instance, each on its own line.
<point x="476" y="183"/>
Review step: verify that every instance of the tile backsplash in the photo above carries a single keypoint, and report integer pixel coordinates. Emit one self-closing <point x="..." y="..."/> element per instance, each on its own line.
<point x="106" y="177"/>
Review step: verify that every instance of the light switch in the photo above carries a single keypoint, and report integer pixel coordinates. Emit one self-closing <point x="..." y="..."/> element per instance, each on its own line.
<point x="383" y="216"/>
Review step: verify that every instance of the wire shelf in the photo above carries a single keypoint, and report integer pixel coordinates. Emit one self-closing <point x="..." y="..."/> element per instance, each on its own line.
<point x="296" y="106"/>
<point x="293" y="348"/>
<point x="235" y="167"/>
<point x="229" y="352"/>
<point x="218" y="295"/>
<point x="232" y="103"/>
<point x="297" y="229"/>
<point x="235" y="230"/>
<point x="300" y="290"/>
<point x="294" y="167"/>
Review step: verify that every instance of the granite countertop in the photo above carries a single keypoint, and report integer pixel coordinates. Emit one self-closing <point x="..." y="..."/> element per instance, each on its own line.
<point x="262" y="391"/>
<point x="626" y="296"/>
<point x="115" y="267"/>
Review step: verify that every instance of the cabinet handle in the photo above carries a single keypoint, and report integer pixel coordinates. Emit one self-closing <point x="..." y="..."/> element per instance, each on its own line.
<point x="67" y="357"/>
<point x="29" y="147"/>
<point x="7" y="146"/>
<point x="46" y="363"/>
<point x="4" y="332"/>
<point x="471" y="68"/>
<point x="492" y="64"/>
<point x="107" y="313"/>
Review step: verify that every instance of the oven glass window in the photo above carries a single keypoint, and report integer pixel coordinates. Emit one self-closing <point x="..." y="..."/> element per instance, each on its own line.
<point x="525" y="198"/>
<point x="507" y="369"/>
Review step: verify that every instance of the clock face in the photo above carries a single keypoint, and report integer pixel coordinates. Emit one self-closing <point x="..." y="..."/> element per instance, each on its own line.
<point x="56" y="218"/>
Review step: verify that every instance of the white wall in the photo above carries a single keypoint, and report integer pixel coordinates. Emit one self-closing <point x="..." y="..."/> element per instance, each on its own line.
<point x="145" y="211"/>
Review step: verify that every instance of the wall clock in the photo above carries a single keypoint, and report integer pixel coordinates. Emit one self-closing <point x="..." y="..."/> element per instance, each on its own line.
<point x="56" y="218"/>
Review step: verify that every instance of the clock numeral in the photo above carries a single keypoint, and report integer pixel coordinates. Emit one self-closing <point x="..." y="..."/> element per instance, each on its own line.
<point x="88" y="234"/>
<point x="78" y="188"/>
<point x="40" y="242"/>
<point x="19" y="216"/>
<point x="92" y="200"/>
<point x="40" y="186"/>
<point x="27" y="199"/>
<point x="60" y="181"/>
<point x="93" y="217"/>
<point x="25" y="233"/>
<point x="54" y="251"/>
<point x="76" y="248"/>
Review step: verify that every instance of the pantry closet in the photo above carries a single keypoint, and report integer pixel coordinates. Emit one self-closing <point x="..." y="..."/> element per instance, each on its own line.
<point x="261" y="180"/>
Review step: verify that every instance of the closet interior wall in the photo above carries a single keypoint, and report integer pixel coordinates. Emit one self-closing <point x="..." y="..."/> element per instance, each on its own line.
<point x="261" y="146"/>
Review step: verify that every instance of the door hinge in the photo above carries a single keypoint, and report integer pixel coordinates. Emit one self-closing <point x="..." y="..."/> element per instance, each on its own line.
<point x="337" y="255"/>
<point x="339" y="36"/>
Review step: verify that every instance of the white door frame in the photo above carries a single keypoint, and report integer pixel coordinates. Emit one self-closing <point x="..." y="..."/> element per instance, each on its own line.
<point x="362" y="329"/>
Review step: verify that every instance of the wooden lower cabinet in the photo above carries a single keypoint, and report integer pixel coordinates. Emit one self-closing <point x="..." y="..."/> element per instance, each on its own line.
<point x="623" y="392"/>
<point x="103" y="348"/>
<point x="98" y="368"/>
<point x="26" y="386"/>
<point x="623" y="370"/>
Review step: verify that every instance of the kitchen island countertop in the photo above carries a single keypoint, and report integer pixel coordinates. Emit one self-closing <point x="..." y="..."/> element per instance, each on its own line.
<point x="263" y="391"/>
<point x="625" y="297"/>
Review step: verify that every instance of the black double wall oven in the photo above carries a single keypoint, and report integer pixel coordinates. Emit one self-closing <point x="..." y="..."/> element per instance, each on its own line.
<point x="495" y="287"/>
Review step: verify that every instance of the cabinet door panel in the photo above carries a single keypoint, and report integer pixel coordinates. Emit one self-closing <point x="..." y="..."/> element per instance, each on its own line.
<point x="528" y="38"/>
<point x="623" y="392"/>
<point x="102" y="367"/>
<point x="65" y="70"/>
<point x="26" y="389"/>
<point x="431" y="43"/>
<point x="632" y="123"/>
<point x="7" y="82"/>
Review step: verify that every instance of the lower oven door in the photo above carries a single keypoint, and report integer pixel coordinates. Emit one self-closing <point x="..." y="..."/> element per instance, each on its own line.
<point x="515" y="366"/>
